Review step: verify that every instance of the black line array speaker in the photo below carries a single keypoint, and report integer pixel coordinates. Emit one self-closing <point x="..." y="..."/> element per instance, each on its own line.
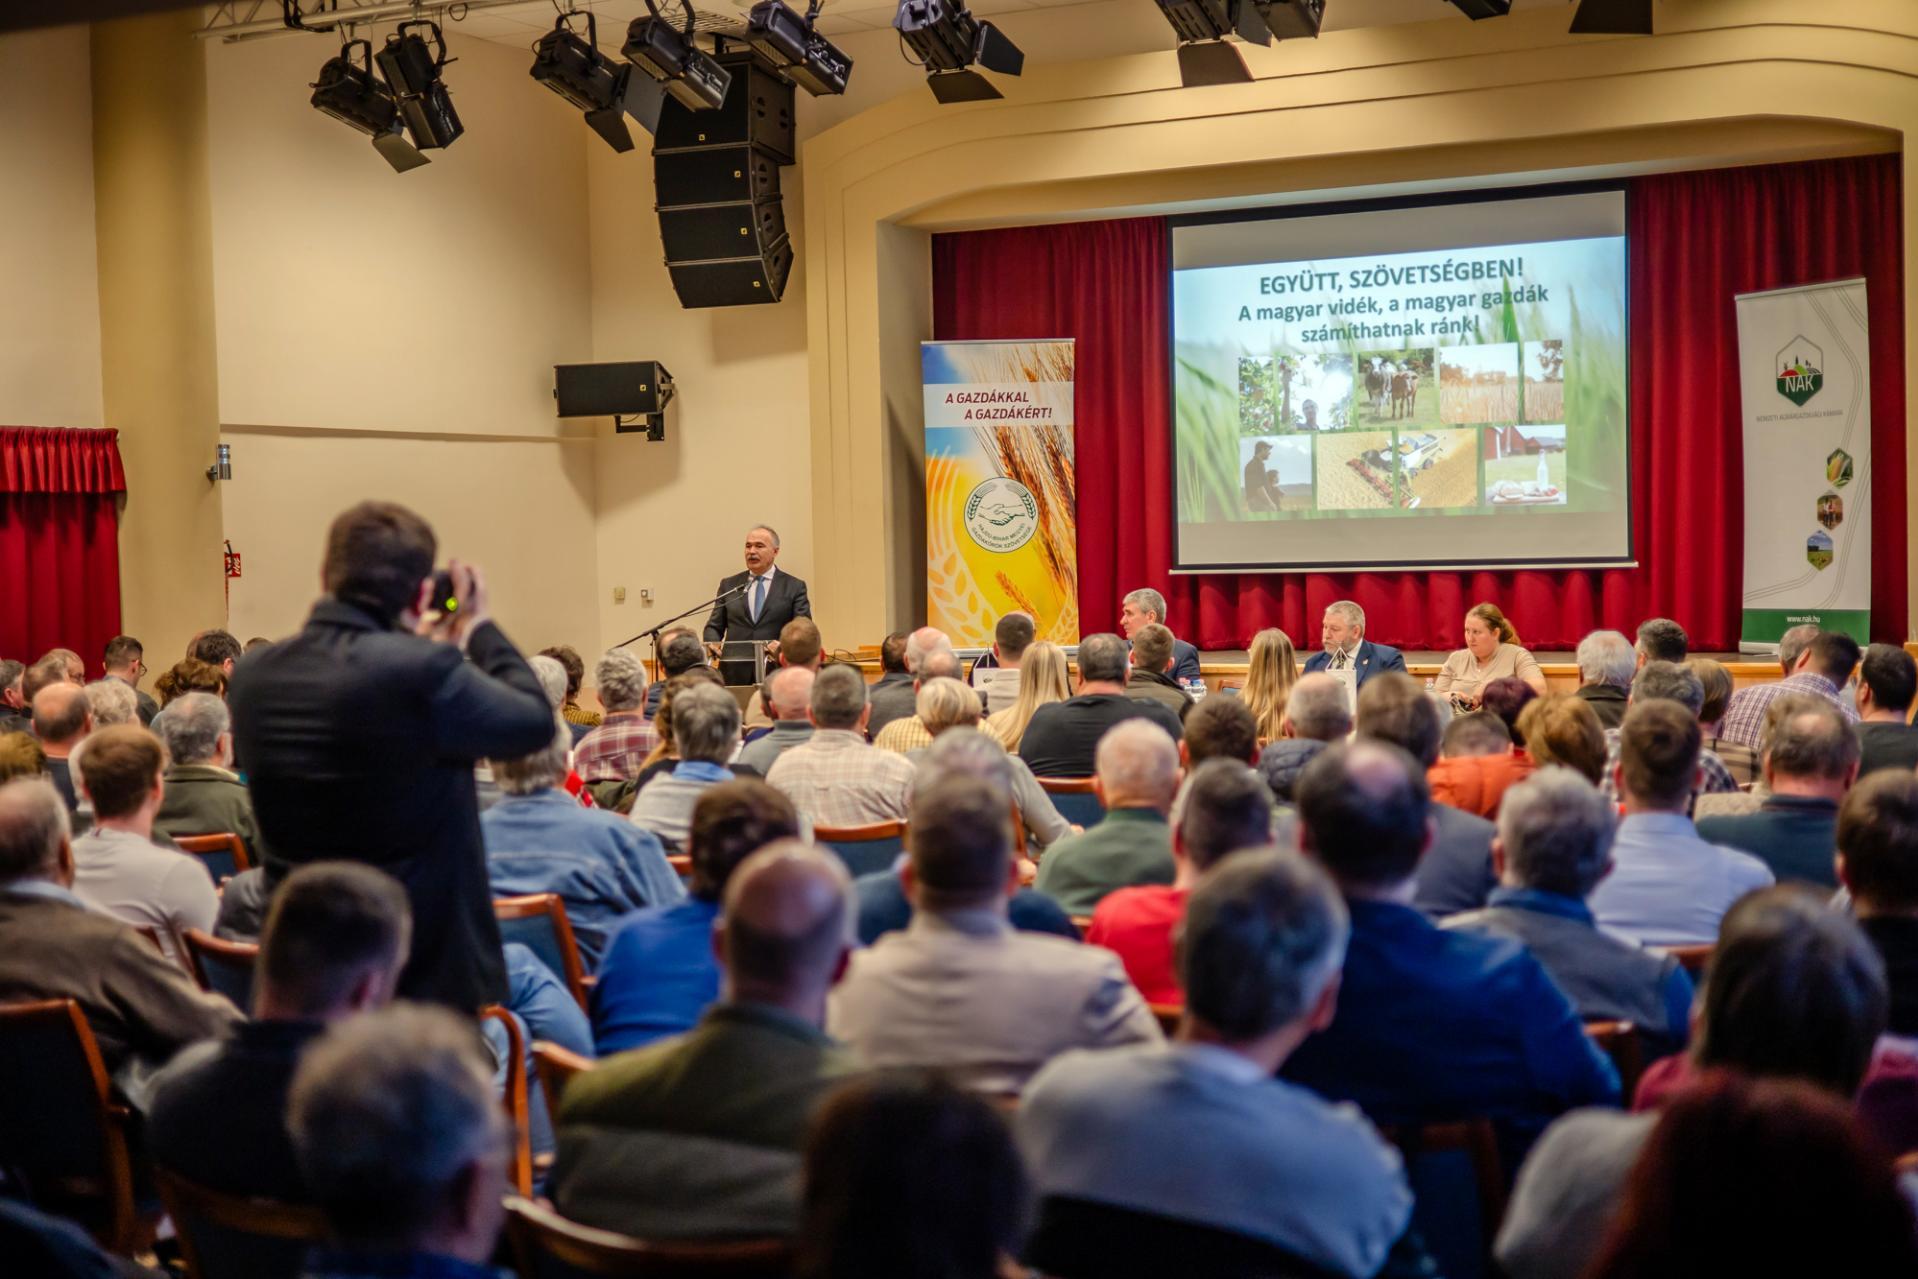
<point x="716" y="186"/>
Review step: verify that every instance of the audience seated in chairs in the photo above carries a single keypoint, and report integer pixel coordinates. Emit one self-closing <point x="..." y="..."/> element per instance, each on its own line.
<point x="959" y="988"/>
<point x="1138" y="777"/>
<point x="203" y="794"/>
<point x="123" y="661"/>
<point x="1795" y="992"/>
<point x="334" y="942"/>
<point x="1146" y="607"/>
<point x="1564" y="730"/>
<point x="616" y="749"/>
<point x="790" y="709"/>
<point x="142" y="1007"/>
<point x="1716" y="681"/>
<point x="1455" y="872"/>
<point x="1878" y="864"/>
<point x="899" y="654"/>
<point x="676" y="657"/>
<point x="1668" y="887"/>
<point x="884" y="902"/>
<point x="664" y="756"/>
<point x="21" y="756"/>
<point x="1316" y="713"/>
<point x="946" y="706"/>
<point x="15" y="715"/>
<point x="1260" y="953"/>
<point x="1062" y="738"/>
<point x="1042" y="681"/>
<point x="909" y="733"/>
<point x="1432" y="1025"/>
<point x="118" y="867"/>
<point x="705" y="722"/>
<point x="1554" y="845"/>
<point x="837" y="778"/>
<point x="218" y="649"/>
<point x="909" y="1177"/>
<point x="1151" y="659"/>
<point x="1227" y="808"/>
<point x="1668" y="681"/>
<point x="998" y="682"/>
<point x="111" y="702"/>
<point x="1477" y="761"/>
<point x="659" y="973"/>
<point x="1887" y="686"/>
<point x="403" y="1144"/>
<point x="539" y="840"/>
<point x="1272" y="668"/>
<point x="189" y="676"/>
<point x="575" y="667"/>
<point x="699" y="1136"/>
<point x="801" y="648"/>
<point x="1810" y="761"/>
<point x="1606" y="663"/>
<point x="1760" y="1177"/>
<point x="1816" y="662"/>
<point x="61" y="721"/>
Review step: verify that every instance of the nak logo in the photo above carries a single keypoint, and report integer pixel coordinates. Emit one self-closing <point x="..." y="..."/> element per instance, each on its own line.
<point x="1801" y="371"/>
<point x="1002" y="515"/>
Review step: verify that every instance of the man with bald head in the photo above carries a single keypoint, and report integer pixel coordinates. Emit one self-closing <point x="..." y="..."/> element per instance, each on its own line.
<point x="908" y="733"/>
<point x="62" y="718"/>
<point x="790" y="709"/>
<point x="1432" y="1025"/>
<point x="698" y="1136"/>
<point x="1137" y="779"/>
<point x="959" y="988"/>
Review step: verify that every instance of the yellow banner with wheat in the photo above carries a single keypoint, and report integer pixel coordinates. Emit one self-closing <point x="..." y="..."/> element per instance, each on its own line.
<point x="1001" y="504"/>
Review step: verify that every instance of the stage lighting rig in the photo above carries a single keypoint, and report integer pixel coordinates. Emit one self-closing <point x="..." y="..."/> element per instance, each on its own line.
<point x="1202" y="26"/>
<point x="348" y="91"/>
<point x="412" y="69"/>
<point x="1292" y="19"/>
<point x="682" y="68"/>
<point x="789" y="43"/>
<point x="1613" y="18"/>
<point x="572" y="66"/>
<point x="950" y="42"/>
<point x="1476" y="9"/>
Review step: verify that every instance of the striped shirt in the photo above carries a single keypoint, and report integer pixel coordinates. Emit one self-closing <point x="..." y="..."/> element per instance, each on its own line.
<point x="614" y="751"/>
<point x="1744" y="720"/>
<point x="838" y="779"/>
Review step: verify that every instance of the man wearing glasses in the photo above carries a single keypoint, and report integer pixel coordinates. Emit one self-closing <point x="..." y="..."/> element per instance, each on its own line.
<point x="125" y="662"/>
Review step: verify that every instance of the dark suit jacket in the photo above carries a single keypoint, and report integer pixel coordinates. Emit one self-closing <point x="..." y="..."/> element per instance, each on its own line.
<point x="1371" y="659"/>
<point x="360" y="742"/>
<point x="732" y="619"/>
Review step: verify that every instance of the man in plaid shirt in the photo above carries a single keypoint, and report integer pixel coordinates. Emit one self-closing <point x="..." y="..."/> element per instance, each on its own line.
<point x="1822" y="667"/>
<point x="1669" y="681"/>
<point x="614" y="751"/>
<point x="837" y="778"/>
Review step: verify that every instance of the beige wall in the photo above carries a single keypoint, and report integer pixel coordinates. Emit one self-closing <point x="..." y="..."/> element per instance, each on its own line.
<point x="50" y="326"/>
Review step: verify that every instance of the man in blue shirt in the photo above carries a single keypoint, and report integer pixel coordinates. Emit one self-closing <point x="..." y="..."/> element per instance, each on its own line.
<point x="1432" y="1025"/>
<point x="660" y="973"/>
<point x="1554" y="844"/>
<point x="539" y="840"/>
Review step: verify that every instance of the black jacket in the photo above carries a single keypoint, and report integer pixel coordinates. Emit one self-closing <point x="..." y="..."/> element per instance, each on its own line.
<point x="732" y="618"/>
<point x="360" y="742"/>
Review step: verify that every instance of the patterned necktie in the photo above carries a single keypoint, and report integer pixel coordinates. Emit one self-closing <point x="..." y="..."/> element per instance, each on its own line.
<point x="759" y="595"/>
<point x="1338" y="663"/>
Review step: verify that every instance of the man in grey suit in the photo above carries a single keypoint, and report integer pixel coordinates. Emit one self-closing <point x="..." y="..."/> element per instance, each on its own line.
<point x="754" y="605"/>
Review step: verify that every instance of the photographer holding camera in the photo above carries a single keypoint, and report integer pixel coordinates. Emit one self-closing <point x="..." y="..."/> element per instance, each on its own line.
<point x="360" y="735"/>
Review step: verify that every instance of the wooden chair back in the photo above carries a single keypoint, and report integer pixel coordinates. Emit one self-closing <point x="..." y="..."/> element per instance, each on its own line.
<point x="538" y="921"/>
<point x="224" y="854"/>
<point x="1075" y="799"/>
<point x="60" y="1129"/>
<point x="547" y="1246"/>
<point x="556" y="1066"/>
<point x="515" y="1095"/>
<point x="224" y="967"/>
<point x="226" y="1236"/>
<point x="864" y="849"/>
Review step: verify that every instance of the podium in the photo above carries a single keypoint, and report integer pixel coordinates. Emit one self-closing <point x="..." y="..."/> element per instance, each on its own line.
<point x="742" y="663"/>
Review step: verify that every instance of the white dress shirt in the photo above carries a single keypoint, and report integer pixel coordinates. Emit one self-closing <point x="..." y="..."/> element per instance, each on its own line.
<point x="1668" y="887"/>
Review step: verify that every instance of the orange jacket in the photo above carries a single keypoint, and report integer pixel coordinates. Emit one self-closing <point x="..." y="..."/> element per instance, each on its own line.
<point x="1476" y="783"/>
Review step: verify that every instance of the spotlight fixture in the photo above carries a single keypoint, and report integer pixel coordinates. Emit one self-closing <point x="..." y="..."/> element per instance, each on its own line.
<point x="1297" y="19"/>
<point x="222" y="468"/>
<point x="1202" y="25"/>
<point x="789" y="44"/>
<point x="349" y="92"/>
<point x="573" y="67"/>
<point x="412" y="71"/>
<point x="1613" y="17"/>
<point x="949" y="42"/>
<point x="681" y="67"/>
<point x="1476" y="9"/>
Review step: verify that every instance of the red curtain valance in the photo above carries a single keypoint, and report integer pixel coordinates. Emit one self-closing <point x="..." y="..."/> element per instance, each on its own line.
<point x="46" y="459"/>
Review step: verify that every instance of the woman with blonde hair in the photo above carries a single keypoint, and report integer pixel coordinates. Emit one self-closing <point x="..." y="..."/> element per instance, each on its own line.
<point x="1491" y="652"/>
<point x="1564" y="729"/>
<point x="1042" y="679"/>
<point x="1272" y="672"/>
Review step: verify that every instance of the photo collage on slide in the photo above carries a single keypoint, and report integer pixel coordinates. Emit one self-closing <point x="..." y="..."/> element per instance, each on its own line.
<point x="1422" y="428"/>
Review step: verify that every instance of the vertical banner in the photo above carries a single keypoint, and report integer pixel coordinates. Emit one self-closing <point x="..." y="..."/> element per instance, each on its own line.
<point x="1001" y="522"/>
<point x="1805" y="380"/>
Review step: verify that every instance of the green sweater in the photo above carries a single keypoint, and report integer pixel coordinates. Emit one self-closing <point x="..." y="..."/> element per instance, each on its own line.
<point x="1130" y="846"/>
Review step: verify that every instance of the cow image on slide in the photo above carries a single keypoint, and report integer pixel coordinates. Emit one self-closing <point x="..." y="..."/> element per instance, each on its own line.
<point x="1405" y="393"/>
<point x="1376" y="381"/>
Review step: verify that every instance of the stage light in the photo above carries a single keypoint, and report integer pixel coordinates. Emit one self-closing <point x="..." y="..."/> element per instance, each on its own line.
<point x="950" y="42"/>
<point x="1293" y="19"/>
<point x="669" y="56"/>
<point x="1613" y="17"/>
<point x="1202" y="25"/>
<point x="350" y="93"/>
<point x="573" y="67"/>
<point x="788" y="43"/>
<point x="1476" y="9"/>
<point x="412" y="70"/>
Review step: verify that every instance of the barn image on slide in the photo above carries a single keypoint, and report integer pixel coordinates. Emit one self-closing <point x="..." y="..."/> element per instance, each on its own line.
<point x="1518" y="441"/>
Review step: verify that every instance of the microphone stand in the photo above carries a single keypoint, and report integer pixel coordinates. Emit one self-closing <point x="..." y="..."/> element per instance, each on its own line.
<point x="653" y="634"/>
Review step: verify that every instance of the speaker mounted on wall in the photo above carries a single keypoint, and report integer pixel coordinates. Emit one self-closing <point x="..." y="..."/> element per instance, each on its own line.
<point x="637" y="389"/>
<point x="716" y="185"/>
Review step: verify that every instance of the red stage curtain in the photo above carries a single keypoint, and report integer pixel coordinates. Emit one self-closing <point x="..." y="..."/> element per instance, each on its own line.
<point x="59" y="541"/>
<point x="1696" y="239"/>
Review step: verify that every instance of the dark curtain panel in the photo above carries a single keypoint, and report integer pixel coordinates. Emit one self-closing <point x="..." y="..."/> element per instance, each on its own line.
<point x="59" y="541"/>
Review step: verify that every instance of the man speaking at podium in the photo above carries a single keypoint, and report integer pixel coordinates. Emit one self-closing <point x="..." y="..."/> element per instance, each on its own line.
<point x="753" y="606"/>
